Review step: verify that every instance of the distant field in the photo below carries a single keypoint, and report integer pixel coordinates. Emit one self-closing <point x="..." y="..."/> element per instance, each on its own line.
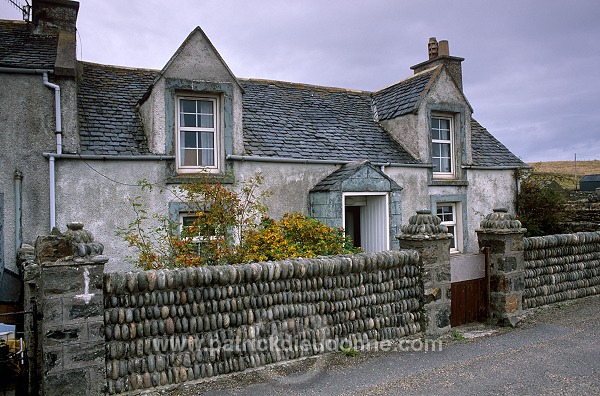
<point x="566" y="172"/>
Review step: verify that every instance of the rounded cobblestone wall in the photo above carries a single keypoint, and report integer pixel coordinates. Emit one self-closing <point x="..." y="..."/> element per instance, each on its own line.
<point x="561" y="267"/>
<point x="171" y="326"/>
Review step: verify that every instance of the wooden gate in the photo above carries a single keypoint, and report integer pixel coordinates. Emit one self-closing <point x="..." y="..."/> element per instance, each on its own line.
<point x="470" y="288"/>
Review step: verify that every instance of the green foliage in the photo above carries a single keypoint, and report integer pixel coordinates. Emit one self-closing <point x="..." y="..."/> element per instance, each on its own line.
<point x="225" y="228"/>
<point x="295" y="235"/>
<point x="457" y="335"/>
<point x="541" y="205"/>
<point x="221" y="216"/>
<point x="348" y="351"/>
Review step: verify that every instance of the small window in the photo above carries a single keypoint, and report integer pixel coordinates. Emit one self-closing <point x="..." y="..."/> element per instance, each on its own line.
<point x="442" y="148"/>
<point x="447" y="212"/>
<point x="197" y="134"/>
<point x="190" y="226"/>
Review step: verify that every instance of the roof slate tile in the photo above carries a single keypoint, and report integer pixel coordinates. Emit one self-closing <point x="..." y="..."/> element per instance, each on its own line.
<point x="19" y="47"/>
<point x="488" y="151"/>
<point x="108" y="98"/>
<point x="319" y="123"/>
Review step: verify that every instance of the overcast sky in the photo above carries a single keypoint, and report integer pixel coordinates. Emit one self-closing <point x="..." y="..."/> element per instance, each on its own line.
<point x="529" y="69"/>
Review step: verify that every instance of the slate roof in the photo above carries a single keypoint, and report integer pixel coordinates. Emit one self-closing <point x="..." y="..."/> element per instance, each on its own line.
<point x="109" y="122"/>
<point x="590" y="178"/>
<point x="19" y="47"/>
<point x="488" y="151"/>
<point x="401" y="98"/>
<point x="309" y="122"/>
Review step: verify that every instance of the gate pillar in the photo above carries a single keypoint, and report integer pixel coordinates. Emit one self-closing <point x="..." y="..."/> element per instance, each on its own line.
<point x="503" y="235"/>
<point x="431" y="239"/>
<point x="65" y="333"/>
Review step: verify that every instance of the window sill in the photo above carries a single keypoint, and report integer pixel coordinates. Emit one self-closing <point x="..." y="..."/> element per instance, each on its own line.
<point x="448" y="182"/>
<point x="200" y="177"/>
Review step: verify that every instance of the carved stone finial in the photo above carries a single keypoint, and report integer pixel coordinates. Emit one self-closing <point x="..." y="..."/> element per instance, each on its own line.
<point x="424" y="225"/>
<point x="500" y="219"/>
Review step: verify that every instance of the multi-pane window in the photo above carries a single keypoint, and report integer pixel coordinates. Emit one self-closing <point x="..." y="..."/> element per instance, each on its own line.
<point x="447" y="213"/>
<point x="197" y="133"/>
<point x="441" y="145"/>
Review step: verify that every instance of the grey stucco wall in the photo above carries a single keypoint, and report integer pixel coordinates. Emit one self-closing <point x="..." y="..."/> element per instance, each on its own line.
<point x="27" y="127"/>
<point x="412" y="130"/>
<point x="101" y="203"/>
<point x="196" y="62"/>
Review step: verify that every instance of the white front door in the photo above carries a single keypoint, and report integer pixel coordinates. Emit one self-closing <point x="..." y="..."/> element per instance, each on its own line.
<point x="366" y="219"/>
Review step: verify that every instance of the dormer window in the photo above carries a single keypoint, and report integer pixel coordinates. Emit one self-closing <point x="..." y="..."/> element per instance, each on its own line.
<point x="442" y="147"/>
<point x="197" y="134"/>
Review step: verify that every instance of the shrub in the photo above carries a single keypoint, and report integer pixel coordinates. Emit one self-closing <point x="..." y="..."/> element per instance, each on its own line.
<point x="541" y="205"/>
<point x="225" y="229"/>
<point x="295" y="235"/>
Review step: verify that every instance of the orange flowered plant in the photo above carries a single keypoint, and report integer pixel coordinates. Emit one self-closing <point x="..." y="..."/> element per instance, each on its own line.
<point x="227" y="226"/>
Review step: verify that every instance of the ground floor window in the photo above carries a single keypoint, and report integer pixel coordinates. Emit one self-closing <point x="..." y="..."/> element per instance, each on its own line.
<point x="448" y="212"/>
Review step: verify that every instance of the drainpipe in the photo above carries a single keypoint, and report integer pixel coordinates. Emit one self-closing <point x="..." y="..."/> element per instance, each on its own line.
<point x="58" y="148"/>
<point x="18" y="232"/>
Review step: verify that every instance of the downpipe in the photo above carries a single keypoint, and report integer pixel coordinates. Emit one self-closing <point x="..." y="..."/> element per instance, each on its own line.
<point x="58" y="133"/>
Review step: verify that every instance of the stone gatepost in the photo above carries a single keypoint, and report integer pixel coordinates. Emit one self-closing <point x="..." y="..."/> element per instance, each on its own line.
<point x="64" y="290"/>
<point x="431" y="239"/>
<point x="503" y="236"/>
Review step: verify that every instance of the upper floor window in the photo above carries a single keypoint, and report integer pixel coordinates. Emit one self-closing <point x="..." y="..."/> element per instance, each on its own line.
<point x="197" y="134"/>
<point x="442" y="146"/>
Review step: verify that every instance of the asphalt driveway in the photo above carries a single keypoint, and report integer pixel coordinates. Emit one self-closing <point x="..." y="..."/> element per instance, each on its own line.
<point x="556" y="350"/>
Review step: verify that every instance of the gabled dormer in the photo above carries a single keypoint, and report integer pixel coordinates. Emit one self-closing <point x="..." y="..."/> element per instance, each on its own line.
<point x="430" y="116"/>
<point x="193" y="109"/>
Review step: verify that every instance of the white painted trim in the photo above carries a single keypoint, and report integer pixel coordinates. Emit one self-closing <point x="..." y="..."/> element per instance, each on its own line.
<point x="386" y="211"/>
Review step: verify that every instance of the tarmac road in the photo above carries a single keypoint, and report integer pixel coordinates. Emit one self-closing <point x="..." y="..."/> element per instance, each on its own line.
<point x="556" y="350"/>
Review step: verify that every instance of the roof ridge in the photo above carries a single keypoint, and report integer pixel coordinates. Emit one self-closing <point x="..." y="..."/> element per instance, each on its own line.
<point x="301" y="85"/>
<point x="419" y="74"/>
<point x="118" y="66"/>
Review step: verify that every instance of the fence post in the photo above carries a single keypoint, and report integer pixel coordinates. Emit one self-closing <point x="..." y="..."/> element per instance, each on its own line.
<point x="503" y="235"/>
<point x="66" y="281"/>
<point x="425" y="234"/>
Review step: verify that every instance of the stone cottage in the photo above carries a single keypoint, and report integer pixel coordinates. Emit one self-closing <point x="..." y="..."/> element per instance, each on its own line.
<point x="83" y="134"/>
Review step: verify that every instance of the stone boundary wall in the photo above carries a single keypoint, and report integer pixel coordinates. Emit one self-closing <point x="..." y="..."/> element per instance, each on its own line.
<point x="170" y="326"/>
<point x="561" y="267"/>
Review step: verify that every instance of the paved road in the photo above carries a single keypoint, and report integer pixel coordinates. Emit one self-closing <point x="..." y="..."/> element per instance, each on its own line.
<point x="556" y="351"/>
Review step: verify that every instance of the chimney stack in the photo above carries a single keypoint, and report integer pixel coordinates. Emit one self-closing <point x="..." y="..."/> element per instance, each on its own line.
<point x="443" y="49"/>
<point x="433" y="48"/>
<point x="439" y="54"/>
<point x="54" y="16"/>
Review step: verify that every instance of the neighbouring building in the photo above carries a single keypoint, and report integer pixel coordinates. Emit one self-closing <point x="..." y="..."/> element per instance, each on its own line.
<point x="589" y="183"/>
<point x="79" y="136"/>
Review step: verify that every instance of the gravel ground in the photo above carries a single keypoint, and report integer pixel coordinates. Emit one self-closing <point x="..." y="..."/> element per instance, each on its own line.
<point x="554" y="350"/>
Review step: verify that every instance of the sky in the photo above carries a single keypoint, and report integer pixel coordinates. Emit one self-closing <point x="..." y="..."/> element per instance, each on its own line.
<point x="528" y="72"/>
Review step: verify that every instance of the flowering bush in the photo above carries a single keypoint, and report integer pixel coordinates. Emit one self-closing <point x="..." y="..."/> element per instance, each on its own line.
<point x="222" y="227"/>
<point x="295" y="235"/>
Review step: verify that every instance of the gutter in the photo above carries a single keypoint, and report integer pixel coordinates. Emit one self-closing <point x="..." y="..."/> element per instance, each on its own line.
<point x="129" y="157"/>
<point x="257" y="158"/>
<point x="479" y="167"/>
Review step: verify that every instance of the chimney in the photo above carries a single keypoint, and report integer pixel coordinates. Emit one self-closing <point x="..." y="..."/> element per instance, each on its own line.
<point x="439" y="54"/>
<point x="433" y="48"/>
<point x="59" y="17"/>
<point x="52" y="16"/>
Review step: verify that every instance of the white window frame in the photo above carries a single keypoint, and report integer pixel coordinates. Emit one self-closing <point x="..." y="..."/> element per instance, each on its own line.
<point x="197" y="239"/>
<point x="455" y="223"/>
<point x="216" y="130"/>
<point x="450" y="119"/>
